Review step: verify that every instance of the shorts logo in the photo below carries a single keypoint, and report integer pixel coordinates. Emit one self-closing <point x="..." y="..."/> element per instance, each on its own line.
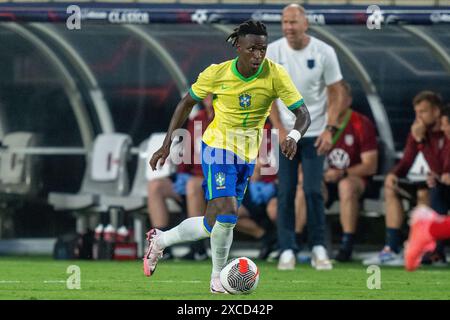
<point x="220" y="180"/>
<point x="245" y="100"/>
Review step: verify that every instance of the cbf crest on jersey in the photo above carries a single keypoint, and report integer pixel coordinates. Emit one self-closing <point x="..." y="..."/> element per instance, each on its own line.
<point x="220" y="180"/>
<point x="245" y="100"/>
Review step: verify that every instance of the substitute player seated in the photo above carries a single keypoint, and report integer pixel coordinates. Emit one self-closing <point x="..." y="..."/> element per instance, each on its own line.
<point x="439" y="184"/>
<point x="425" y="137"/>
<point x="428" y="227"/>
<point x="352" y="160"/>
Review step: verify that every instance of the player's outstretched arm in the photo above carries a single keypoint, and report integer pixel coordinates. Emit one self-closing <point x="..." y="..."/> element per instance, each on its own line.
<point x="302" y="123"/>
<point x="179" y="117"/>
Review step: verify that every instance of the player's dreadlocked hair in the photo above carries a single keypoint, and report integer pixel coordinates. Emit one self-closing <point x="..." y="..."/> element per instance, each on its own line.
<point x="247" y="27"/>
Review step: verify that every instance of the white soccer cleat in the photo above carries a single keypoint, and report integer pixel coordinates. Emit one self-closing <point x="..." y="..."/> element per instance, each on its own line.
<point x="386" y="257"/>
<point x="319" y="259"/>
<point x="287" y="260"/>
<point x="153" y="252"/>
<point x="216" y="286"/>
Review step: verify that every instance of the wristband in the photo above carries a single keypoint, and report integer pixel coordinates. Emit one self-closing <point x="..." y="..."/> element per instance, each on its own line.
<point x="332" y="129"/>
<point x="295" y="135"/>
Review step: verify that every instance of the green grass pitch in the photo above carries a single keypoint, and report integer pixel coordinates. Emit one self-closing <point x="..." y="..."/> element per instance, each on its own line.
<point x="45" y="278"/>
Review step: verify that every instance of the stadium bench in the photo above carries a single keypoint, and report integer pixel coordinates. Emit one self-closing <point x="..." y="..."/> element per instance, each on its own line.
<point x="19" y="173"/>
<point x="136" y="201"/>
<point x="106" y="174"/>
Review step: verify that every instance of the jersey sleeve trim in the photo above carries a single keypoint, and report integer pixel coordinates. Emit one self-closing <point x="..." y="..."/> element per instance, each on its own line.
<point x="296" y="105"/>
<point x="194" y="96"/>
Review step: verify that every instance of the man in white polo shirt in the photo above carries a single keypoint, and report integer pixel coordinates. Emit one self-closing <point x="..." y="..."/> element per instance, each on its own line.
<point x="314" y="69"/>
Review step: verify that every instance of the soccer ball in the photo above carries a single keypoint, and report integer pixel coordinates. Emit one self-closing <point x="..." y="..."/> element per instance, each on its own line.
<point x="240" y="276"/>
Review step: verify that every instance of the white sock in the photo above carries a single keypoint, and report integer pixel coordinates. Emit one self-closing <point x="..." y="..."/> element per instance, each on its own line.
<point x="221" y="240"/>
<point x="190" y="229"/>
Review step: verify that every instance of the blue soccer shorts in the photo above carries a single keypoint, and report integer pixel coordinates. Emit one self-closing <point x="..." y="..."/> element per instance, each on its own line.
<point x="226" y="175"/>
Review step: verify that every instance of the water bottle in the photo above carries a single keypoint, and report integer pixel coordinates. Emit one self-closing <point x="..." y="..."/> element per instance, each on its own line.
<point x="109" y="233"/>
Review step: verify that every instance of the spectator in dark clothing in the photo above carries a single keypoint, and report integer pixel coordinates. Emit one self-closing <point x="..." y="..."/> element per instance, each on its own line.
<point x="425" y="137"/>
<point x="352" y="160"/>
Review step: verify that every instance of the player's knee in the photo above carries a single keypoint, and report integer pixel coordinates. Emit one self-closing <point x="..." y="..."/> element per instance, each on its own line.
<point x="347" y="190"/>
<point x="156" y="186"/>
<point x="227" y="220"/>
<point x="194" y="187"/>
<point x="272" y="214"/>
<point x="272" y="209"/>
<point x="225" y="205"/>
<point x="190" y="191"/>
<point x="220" y="206"/>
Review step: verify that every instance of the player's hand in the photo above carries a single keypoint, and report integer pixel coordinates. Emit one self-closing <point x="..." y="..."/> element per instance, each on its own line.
<point x="432" y="179"/>
<point x="445" y="179"/>
<point x="418" y="130"/>
<point x="391" y="181"/>
<point x="333" y="175"/>
<point x="289" y="148"/>
<point x="282" y="133"/>
<point x="162" y="155"/>
<point x="324" y="142"/>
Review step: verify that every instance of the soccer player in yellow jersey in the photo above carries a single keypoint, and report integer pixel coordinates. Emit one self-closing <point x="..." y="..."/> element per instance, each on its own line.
<point x="243" y="91"/>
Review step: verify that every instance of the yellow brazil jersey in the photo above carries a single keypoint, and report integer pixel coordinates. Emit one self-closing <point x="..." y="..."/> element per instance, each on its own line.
<point x="242" y="105"/>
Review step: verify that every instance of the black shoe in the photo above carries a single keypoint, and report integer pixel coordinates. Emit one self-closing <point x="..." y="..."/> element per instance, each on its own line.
<point x="435" y="258"/>
<point x="188" y="256"/>
<point x="167" y="255"/>
<point x="268" y="242"/>
<point x="343" y="256"/>
<point x="199" y="255"/>
<point x="264" y="252"/>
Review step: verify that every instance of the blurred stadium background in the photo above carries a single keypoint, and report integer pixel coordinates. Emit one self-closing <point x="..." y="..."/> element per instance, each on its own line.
<point x="128" y="65"/>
